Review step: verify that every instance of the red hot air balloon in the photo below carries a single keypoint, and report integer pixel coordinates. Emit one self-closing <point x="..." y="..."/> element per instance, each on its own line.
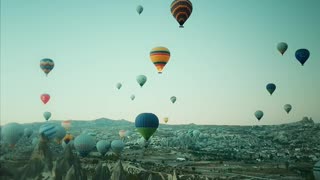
<point x="45" y="98"/>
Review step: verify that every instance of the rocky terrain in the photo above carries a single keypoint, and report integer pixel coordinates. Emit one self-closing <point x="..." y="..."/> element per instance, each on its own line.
<point x="286" y="151"/>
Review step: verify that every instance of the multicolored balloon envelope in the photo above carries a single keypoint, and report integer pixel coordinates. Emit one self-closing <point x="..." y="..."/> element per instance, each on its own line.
<point x="46" y="65"/>
<point x="147" y="124"/>
<point x="45" y="98"/>
<point x="160" y="56"/>
<point x="302" y="55"/>
<point x="181" y="11"/>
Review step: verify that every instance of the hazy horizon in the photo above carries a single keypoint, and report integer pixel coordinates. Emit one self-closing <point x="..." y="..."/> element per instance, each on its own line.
<point x="220" y="62"/>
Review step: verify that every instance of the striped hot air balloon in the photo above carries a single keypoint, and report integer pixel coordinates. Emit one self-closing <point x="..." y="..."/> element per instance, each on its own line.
<point x="48" y="131"/>
<point x="46" y="65"/>
<point x="160" y="56"/>
<point x="181" y="10"/>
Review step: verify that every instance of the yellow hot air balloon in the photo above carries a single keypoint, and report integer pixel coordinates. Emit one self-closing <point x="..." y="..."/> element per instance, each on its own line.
<point x="165" y="119"/>
<point x="159" y="57"/>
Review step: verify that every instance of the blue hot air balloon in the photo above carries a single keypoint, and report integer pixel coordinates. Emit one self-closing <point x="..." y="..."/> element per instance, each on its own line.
<point x="147" y="124"/>
<point x="271" y="88"/>
<point x="302" y="55"/>
<point x="48" y="131"/>
<point x="84" y="143"/>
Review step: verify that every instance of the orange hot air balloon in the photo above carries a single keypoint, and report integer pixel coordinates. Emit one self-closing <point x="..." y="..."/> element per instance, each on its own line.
<point x="66" y="124"/>
<point x="45" y="98"/>
<point x="160" y="56"/>
<point x="122" y="134"/>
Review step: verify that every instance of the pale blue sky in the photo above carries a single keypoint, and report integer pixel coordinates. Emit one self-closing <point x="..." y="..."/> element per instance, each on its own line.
<point x="219" y="67"/>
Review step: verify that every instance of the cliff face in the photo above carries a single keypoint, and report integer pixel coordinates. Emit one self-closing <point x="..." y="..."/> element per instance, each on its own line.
<point x="69" y="166"/>
<point x="40" y="163"/>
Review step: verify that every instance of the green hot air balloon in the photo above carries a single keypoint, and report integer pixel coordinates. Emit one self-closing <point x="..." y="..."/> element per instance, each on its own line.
<point x="282" y="47"/>
<point x="119" y="85"/>
<point x="139" y="9"/>
<point x="132" y="97"/>
<point x="258" y="114"/>
<point x="47" y="115"/>
<point x="287" y="108"/>
<point x="147" y="124"/>
<point x="173" y="99"/>
<point x="141" y="79"/>
<point x="271" y="88"/>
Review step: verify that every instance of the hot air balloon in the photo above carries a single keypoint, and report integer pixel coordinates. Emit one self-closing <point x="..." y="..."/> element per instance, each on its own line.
<point x="45" y="98"/>
<point x="141" y="79"/>
<point x="11" y="133"/>
<point x="60" y="134"/>
<point x="119" y="85"/>
<point x="47" y="131"/>
<point x="271" y="88"/>
<point x="282" y="47"/>
<point x="122" y="134"/>
<point x="70" y="143"/>
<point x="132" y="97"/>
<point x="258" y="114"/>
<point x="28" y="132"/>
<point x="103" y="146"/>
<point x="46" y="65"/>
<point x="84" y="143"/>
<point x="160" y="56"/>
<point x="196" y="133"/>
<point x="139" y="9"/>
<point x="165" y="119"/>
<point x="181" y="11"/>
<point x="147" y="124"/>
<point x="67" y="138"/>
<point x="117" y="146"/>
<point x="316" y="171"/>
<point x="302" y="55"/>
<point x="173" y="99"/>
<point x="66" y="124"/>
<point x="47" y="115"/>
<point x="287" y="108"/>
